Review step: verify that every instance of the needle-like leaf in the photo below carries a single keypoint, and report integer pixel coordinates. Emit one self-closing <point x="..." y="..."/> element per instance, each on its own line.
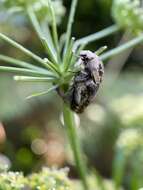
<point x="68" y="56"/>
<point x="39" y="32"/>
<point x="34" y="79"/>
<point x="122" y="48"/>
<point x="101" y="50"/>
<point x="24" y="71"/>
<point x="54" y="28"/>
<point x="42" y="93"/>
<point x="20" y="47"/>
<point x="97" y="36"/>
<point x="70" y="22"/>
<point x="20" y="63"/>
<point x="46" y="64"/>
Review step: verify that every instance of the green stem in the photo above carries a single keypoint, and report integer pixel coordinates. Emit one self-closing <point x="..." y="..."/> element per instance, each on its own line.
<point x="70" y="22"/>
<point x="37" y="27"/>
<point x="20" y="63"/>
<point x="74" y="58"/>
<point x="42" y="93"/>
<point x="98" y="35"/>
<point x="46" y="64"/>
<point x="33" y="79"/>
<point x="20" y="47"/>
<point x="24" y="71"/>
<point x="62" y="41"/>
<point x="122" y="48"/>
<point x="54" y="28"/>
<point x="75" y="144"/>
<point x="68" y="56"/>
<point x="47" y="34"/>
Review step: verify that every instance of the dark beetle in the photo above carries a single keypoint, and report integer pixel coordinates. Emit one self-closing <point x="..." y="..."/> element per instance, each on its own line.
<point x="86" y="82"/>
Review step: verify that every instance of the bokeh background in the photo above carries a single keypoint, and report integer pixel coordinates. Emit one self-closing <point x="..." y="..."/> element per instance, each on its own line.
<point x="111" y="129"/>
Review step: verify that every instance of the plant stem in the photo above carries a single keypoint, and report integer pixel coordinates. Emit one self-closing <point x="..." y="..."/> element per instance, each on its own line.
<point x="24" y="71"/>
<point x="54" y="29"/>
<point x="47" y="34"/>
<point x="122" y="48"/>
<point x="75" y="144"/>
<point x="33" y="79"/>
<point x="74" y="58"/>
<point x="68" y="56"/>
<point x="98" y="35"/>
<point x="20" y="47"/>
<point x="20" y="63"/>
<point x="37" y="27"/>
<point x="46" y="64"/>
<point x="42" y="93"/>
<point x="70" y="22"/>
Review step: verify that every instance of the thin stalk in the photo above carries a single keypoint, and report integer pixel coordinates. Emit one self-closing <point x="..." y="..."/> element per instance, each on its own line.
<point x="54" y="28"/>
<point x="48" y="49"/>
<point x="34" y="21"/>
<point x="122" y="48"/>
<point x="42" y="93"/>
<point x="100" y="50"/>
<point x="20" y="63"/>
<point x="47" y="34"/>
<point x="62" y="41"/>
<point x="33" y="79"/>
<point x="24" y="71"/>
<point x="70" y="23"/>
<point x="37" y="27"/>
<point x="46" y="64"/>
<point x="74" y="58"/>
<point x="97" y="36"/>
<point x="75" y="145"/>
<point x="68" y="56"/>
<point x="53" y="66"/>
<point x="20" y="47"/>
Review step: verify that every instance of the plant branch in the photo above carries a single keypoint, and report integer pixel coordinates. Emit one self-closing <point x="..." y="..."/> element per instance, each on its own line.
<point x="47" y="34"/>
<point x="24" y="71"/>
<point x="20" y="63"/>
<point x="54" y="28"/>
<point x="75" y="144"/>
<point x="37" y="27"/>
<point x="33" y="79"/>
<point x="122" y="48"/>
<point x="20" y="47"/>
<point x="46" y="64"/>
<point x="68" y="56"/>
<point x="98" y="35"/>
<point x="42" y="93"/>
<point x="74" y="58"/>
<point x="70" y="22"/>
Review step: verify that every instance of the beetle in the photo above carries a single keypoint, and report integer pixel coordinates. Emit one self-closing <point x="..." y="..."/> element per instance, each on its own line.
<point x="86" y="82"/>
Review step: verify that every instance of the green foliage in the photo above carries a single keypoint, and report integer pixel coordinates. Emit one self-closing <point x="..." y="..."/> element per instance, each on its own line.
<point x="47" y="179"/>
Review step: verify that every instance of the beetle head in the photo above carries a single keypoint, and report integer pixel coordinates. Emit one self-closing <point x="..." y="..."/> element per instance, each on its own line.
<point x="86" y="55"/>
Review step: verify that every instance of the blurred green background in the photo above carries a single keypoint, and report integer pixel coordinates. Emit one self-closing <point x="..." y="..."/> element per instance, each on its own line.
<point x="111" y="128"/>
